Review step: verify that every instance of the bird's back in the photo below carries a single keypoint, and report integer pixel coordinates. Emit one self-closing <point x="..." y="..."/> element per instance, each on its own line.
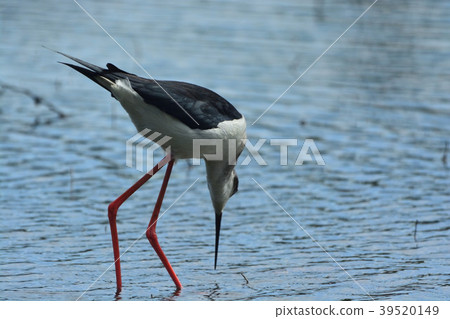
<point x="194" y="105"/>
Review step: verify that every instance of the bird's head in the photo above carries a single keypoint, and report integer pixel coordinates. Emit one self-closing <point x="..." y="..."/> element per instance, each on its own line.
<point x="222" y="183"/>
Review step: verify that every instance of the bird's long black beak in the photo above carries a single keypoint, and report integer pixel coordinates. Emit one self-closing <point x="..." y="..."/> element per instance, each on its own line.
<point x="218" y="220"/>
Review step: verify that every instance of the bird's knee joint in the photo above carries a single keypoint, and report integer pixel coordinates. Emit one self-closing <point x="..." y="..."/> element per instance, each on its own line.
<point x="112" y="210"/>
<point x="151" y="235"/>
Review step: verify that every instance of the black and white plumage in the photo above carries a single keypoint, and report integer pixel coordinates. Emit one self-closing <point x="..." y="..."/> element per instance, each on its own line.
<point x="184" y="112"/>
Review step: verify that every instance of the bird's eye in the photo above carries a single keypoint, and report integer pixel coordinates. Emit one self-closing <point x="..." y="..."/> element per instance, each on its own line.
<point x="235" y="185"/>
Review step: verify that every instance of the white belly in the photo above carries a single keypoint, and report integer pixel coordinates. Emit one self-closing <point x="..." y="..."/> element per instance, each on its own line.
<point x="145" y="116"/>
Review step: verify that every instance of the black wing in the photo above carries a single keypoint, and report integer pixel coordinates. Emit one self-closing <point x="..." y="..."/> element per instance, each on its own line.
<point x="195" y="106"/>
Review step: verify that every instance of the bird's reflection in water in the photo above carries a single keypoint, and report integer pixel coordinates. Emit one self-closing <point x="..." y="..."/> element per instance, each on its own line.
<point x="214" y="293"/>
<point x="117" y="296"/>
<point x="171" y="297"/>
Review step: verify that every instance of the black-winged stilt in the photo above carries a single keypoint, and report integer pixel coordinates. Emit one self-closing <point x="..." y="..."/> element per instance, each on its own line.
<point x="185" y="112"/>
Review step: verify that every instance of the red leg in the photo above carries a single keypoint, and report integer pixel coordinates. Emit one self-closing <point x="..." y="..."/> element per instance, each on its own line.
<point x="112" y="213"/>
<point x="151" y="230"/>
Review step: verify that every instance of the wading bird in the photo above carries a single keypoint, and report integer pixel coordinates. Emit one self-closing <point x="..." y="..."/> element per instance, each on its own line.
<point x="186" y="113"/>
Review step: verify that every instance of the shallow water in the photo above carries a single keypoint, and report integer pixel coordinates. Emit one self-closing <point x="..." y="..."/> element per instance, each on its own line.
<point x="376" y="105"/>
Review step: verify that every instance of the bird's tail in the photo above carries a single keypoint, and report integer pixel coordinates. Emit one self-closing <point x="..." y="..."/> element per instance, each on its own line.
<point x="103" y="77"/>
<point x="93" y="72"/>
